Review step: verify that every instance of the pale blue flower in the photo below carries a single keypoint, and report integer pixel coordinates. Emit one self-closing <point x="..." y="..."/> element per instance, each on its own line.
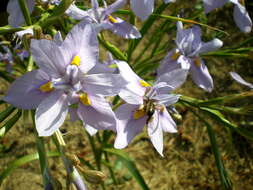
<point x="63" y="79"/>
<point x="187" y="55"/>
<point x="241" y="16"/>
<point x="144" y="8"/>
<point x="146" y="106"/>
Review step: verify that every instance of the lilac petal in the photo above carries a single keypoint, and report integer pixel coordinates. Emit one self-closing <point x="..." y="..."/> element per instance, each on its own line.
<point x="124" y="29"/>
<point x="58" y="38"/>
<point x="142" y="8"/>
<point x="51" y="113"/>
<point x="24" y="92"/>
<point x="49" y="57"/>
<point x="174" y="78"/>
<point x="166" y="122"/>
<point x="242" y="18"/>
<point x="201" y="76"/>
<point x="82" y="42"/>
<point x="91" y="130"/>
<point x="74" y="12"/>
<point x="101" y="68"/>
<point x="134" y="88"/>
<point x="155" y="133"/>
<point x="210" y="46"/>
<point x="115" y="6"/>
<point x="188" y="39"/>
<point x="103" y="84"/>
<point x="240" y="80"/>
<point x="98" y="115"/>
<point x="166" y="99"/>
<point x="16" y="17"/>
<point x="210" y="5"/>
<point x="127" y="126"/>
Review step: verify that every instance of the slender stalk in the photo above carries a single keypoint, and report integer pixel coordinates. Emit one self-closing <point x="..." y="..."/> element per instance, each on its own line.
<point x="25" y="11"/>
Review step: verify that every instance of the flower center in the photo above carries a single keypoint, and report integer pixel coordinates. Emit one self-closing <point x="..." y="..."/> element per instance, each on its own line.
<point x="47" y="87"/>
<point x="139" y="113"/>
<point x="85" y="99"/>
<point x="112" y="19"/>
<point x="175" y="56"/>
<point x="144" y="83"/>
<point x="76" y="61"/>
<point x="197" y="62"/>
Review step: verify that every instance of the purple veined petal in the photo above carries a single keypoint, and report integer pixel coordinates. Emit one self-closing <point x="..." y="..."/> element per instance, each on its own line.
<point x="127" y="126"/>
<point x="130" y="96"/>
<point x="188" y="40"/>
<point x="200" y="75"/>
<point x="101" y="68"/>
<point x="82" y="42"/>
<point x="166" y="99"/>
<point x="49" y="57"/>
<point x="51" y="113"/>
<point x="58" y="38"/>
<point x="210" y="46"/>
<point x="166" y="122"/>
<point x="174" y="78"/>
<point x="155" y="133"/>
<point x="242" y="18"/>
<point x="103" y="84"/>
<point x="123" y="29"/>
<point x="210" y="5"/>
<point x="24" y="92"/>
<point x="168" y="63"/>
<point x="76" y="13"/>
<point x="142" y="8"/>
<point x="240" y="80"/>
<point x="98" y="115"/>
<point x="16" y="17"/>
<point x="91" y="130"/>
<point x="115" y="6"/>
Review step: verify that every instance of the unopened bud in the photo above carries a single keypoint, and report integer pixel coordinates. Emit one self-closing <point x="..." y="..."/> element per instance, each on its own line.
<point x="93" y="176"/>
<point x="37" y="31"/>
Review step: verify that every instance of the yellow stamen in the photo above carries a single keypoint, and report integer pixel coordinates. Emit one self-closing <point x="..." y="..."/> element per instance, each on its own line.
<point x="112" y="19"/>
<point x="144" y="83"/>
<point x="139" y="113"/>
<point x="197" y="62"/>
<point x="47" y="87"/>
<point x="175" y="56"/>
<point x="76" y="61"/>
<point x="85" y="99"/>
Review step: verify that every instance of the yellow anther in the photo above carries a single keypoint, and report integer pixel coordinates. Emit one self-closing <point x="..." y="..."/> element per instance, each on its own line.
<point x="76" y="61"/>
<point x="175" y="56"/>
<point x="144" y="83"/>
<point x="139" y="113"/>
<point x="112" y="19"/>
<point x="85" y="99"/>
<point x="197" y="62"/>
<point x="47" y="87"/>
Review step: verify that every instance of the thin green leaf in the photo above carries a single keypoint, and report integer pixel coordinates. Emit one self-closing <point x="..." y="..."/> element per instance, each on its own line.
<point x="113" y="49"/>
<point x="20" y="162"/>
<point x="4" y="114"/>
<point x="220" y="118"/>
<point x="10" y="123"/>
<point x="129" y="163"/>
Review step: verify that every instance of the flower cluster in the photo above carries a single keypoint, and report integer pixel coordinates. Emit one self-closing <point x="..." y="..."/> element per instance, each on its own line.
<point x="71" y="79"/>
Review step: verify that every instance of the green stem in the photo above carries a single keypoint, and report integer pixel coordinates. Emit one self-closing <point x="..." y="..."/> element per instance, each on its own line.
<point x="25" y="11"/>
